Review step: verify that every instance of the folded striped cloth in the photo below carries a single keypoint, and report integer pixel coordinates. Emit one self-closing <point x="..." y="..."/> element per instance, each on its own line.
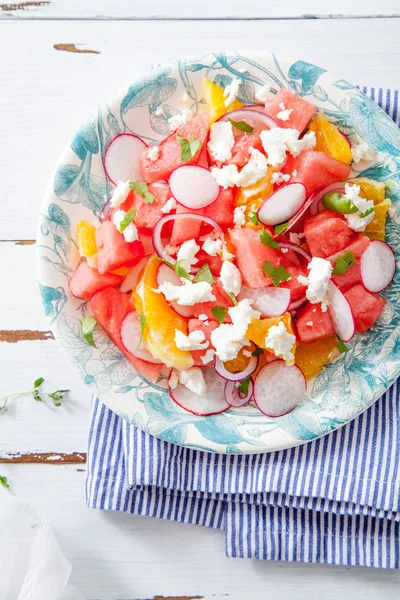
<point x="335" y="500"/>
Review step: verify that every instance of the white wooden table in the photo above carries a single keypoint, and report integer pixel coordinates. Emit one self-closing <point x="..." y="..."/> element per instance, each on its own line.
<point x="58" y="59"/>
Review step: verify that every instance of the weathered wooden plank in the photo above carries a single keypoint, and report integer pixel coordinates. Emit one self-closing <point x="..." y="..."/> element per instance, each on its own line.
<point x="54" y="458"/>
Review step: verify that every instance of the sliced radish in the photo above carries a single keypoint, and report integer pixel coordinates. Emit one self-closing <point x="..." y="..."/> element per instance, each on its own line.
<point x="300" y="213"/>
<point x="212" y="403"/>
<point x="121" y="160"/>
<point x="296" y="304"/>
<point x="270" y="301"/>
<point x="282" y="204"/>
<point x="234" y="397"/>
<point x="131" y="279"/>
<point x="315" y="200"/>
<point x="278" y="388"/>
<point x="378" y="266"/>
<point x="297" y="249"/>
<point x="340" y="313"/>
<point x="255" y="118"/>
<point x="193" y="186"/>
<point x="165" y="273"/>
<point x="130" y="337"/>
<point x="240" y="375"/>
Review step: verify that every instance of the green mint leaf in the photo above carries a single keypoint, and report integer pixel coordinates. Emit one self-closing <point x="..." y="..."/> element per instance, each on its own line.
<point x="280" y="228"/>
<point x="339" y="204"/>
<point x="87" y="325"/>
<point x="343" y="263"/>
<point x="253" y="217"/>
<point x="268" y="240"/>
<point x="366" y="213"/>
<point x="243" y="386"/>
<point x="341" y="345"/>
<point x="139" y="187"/>
<point x="242" y="126"/>
<point x="258" y="352"/>
<point x="127" y="220"/>
<point x="179" y="270"/>
<point x="219" y="313"/>
<point x="38" y="382"/>
<point x="142" y="321"/>
<point x="57" y="396"/>
<point x="204" y="274"/>
<point x="277" y="274"/>
<point x="233" y="298"/>
<point x="195" y="144"/>
<point x="37" y="396"/>
<point x="149" y="198"/>
<point x="4" y="482"/>
<point x="189" y="147"/>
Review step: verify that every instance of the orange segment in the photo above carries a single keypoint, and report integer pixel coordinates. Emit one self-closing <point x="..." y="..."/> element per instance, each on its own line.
<point x="122" y="271"/>
<point x="161" y="320"/>
<point x="258" y="329"/>
<point x="86" y="239"/>
<point x="254" y="195"/>
<point x="215" y="99"/>
<point x="312" y="357"/>
<point x="376" y="229"/>
<point x="370" y="189"/>
<point x="330" y="140"/>
<point x="239" y="363"/>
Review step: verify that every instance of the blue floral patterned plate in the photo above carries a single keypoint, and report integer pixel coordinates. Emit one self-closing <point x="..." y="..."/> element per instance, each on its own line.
<point x="79" y="189"/>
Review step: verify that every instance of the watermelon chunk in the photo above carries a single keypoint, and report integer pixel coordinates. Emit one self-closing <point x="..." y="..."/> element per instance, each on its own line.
<point x="85" y="282"/>
<point x="250" y="256"/>
<point x="365" y="306"/>
<point x="113" y="251"/>
<point x="297" y="290"/>
<point x="185" y="229"/>
<point x="290" y="258"/>
<point x="327" y="234"/>
<point x="359" y="243"/>
<point x="170" y="150"/>
<point x="221" y="210"/>
<point x="315" y="170"/>
<point x="214" y="262"/>
<point x="302" y="111"/>
<point x="147" y="215"/>
<point x="241" y="149"/>
<point x="110" y="307"/>
<point x="197" y="325"/>
<point x="320" y="324"/>
<point x="221" y="299"/>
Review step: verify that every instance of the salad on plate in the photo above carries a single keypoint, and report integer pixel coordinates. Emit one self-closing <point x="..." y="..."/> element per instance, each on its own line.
<point x="238" y="257"/>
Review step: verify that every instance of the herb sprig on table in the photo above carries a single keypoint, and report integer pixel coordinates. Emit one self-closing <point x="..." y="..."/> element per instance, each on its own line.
<point x="37" y="394"/>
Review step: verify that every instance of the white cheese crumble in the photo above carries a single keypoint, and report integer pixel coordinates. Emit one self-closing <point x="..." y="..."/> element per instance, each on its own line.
<point x="277" y="141"/>
<point x="225" y="254"/>
<point x="231" y="278"/>
<point x="239" y="218"/>
<point x="295" y="238"/>
<point x="171" y="250"/>
<point x="187" y="254"/>
<point x="362" y="152"/>
<point x="179" y="119"/>
<point x="285" y="113"/>
<point x="310" y="324"/>
<point x="247" y="353"/>
<point x="189" y="293"/>
<point x="212" y="247"/>
<point x="228" y="339"/>
<point x="130" y="232"/>
<point x="264" y="94"/>
<point x="280" y="341"/>
<point x="284" y="250"/>
<point x="254" y="170"/>
<point x="120" y="194"/>
<point x="193" y="341"/>
<point x="202" y="317"/>
<point x="317" y="281"/>
<point x="193" y="379"/>
<point x="226" y="176"/>
<point x="208" y="356"/>
<point x="169" y="206"/>
<point x="153" y="153"/>
<point x="354" y="220"/>
<point x="279" y="177"/>
<point x="221" y="141"/>
<point x="231" y="91"/>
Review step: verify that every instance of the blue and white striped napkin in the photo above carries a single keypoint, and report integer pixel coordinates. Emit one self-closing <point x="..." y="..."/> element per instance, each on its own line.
<point x="335" y="500"/>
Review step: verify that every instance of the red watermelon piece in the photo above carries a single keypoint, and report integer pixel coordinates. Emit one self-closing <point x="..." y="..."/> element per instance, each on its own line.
<point x="185" y="229"/>
<point x="110" y="307"/>
<point x="302" y="111"/>
<point x="113" y="251"/>
<point x="315" y="170"/>
<point x="250" y="256"/>
<point x="320" y="323"/>
<point x="214" y="262"/>
<point x="221" y="210"/>
<point x="365" y="306"/>
<point x="197" y="325"/>
<point x="147" y="215"/>
<point x="297" y="290"/>
<point x="170" y="150"/>
<point x="85" y="282"/>
<point x="352" y="277"/>
<point x="241" y="149"/>
<point x="221" y="299"/>
<point x="327" y="234"/>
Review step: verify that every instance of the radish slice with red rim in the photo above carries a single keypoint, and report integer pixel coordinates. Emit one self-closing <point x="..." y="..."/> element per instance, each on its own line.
<point x="131" y="279"/>
<point x="193" y="187"/>
<point x="378" y="266"/>
<point x="212" y="403"/>
<point x="279" y="388"/>
<point x="316" y="205"/>
<point x="165" y="273"/>
<point x="235" y="397"/>
<point x="340" y="313"/>
<point x="297" y="249"/>
<point x="240" y="375"/>
<point x="130" y="337"/>
<point x="282" y="204"/>
<point x="270" y="301"/>
<point x="122" y="158"/>
<point x="300" y="213"/>
<point x="257" y="119"/>
<point x="296" y="304"/>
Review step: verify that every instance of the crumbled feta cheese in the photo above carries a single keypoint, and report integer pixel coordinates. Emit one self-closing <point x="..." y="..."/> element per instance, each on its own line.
<point x="193" y="341"/>
<point x="221" y="141"/>
<point x="208" y="356"/>
<point x="225" y="254"/>
<point x="179" y="119"/>
<point x="280" y="341"/>
<point x="238" y="216"/>
<point x="294" y="174"/>
<point x="120" y="194"/>
<point x="242" y="315"/>
<point x="254" y="170"/>
<point x="264" y="94"/>
<point x="168" y="206"/>
<point x="171" y="250"/>
<point x="130" y="232"/>
<point x="231" y="91"/>
<point x="153" y="153"/>
<point x="226" y="176"/>
<point x="193" y="379"/>
<point x="187" y="254"/>
<point x="279" y="177"/>
<point x="229" y="339"/>
<point x="188" y="294"/>
<point x="362" y="152"/>
<point x="231" y="278"/>
<point x="310" y="324"/>
<point x="277" y="141"/>
<point x="173" y="380"/>
<point x="285" y="113"/>
<point x="307" y="142"/>
<point x="202" y="317"/>
<point x="284" y="250"/>
<point x="295" y="238"/>
<point x="159" y="111"/>
<point x="317" y="281"/>
<point x="212" y="247"/>
<point x="247" y="353"/>
<point x="354" y="220"/>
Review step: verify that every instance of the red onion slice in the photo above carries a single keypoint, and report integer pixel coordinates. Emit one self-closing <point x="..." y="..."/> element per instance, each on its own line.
<point x="315" y="200"/>
<point x="295" y="305"/>
<point x="234" y="397"/>
<point x="296" y="248"/>
<point x="255" y="118"/>
<point x="225" y="374"/>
